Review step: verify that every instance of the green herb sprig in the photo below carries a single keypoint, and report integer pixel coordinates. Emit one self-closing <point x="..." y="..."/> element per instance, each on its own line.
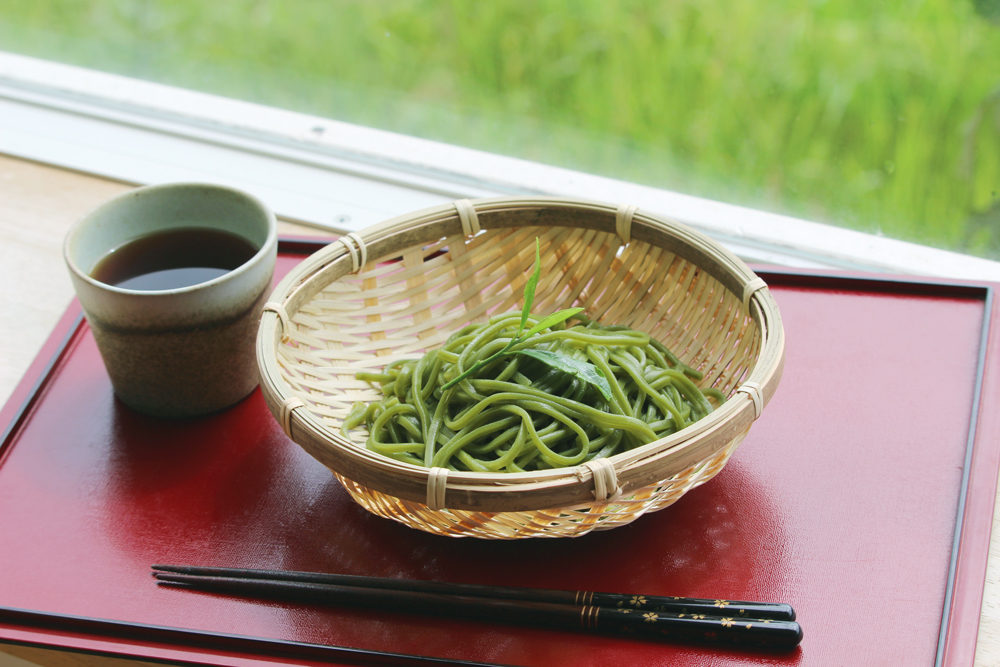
<point x="567" y="364"/>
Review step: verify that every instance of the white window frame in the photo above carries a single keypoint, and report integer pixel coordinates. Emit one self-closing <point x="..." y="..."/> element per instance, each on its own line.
<point x="344" y="177"/>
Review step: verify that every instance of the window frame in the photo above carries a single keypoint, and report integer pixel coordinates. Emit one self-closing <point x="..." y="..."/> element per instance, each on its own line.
<point x="343" y="177"/>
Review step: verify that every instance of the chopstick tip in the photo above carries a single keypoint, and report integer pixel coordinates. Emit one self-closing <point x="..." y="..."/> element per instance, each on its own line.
<point x="160" y="567"/>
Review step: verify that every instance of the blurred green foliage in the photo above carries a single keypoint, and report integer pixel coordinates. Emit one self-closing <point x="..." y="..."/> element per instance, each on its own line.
<point x="882" y="116"/>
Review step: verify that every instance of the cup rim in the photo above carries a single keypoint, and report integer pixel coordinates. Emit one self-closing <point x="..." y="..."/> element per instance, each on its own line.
<point x="260" y="256"/>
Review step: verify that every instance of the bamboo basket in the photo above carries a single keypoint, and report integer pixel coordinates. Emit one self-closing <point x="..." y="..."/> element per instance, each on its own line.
<point x="402" y="287"/>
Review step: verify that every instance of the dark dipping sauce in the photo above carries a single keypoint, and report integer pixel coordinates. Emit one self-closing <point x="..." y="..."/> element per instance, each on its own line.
<point x="173" y="258"/>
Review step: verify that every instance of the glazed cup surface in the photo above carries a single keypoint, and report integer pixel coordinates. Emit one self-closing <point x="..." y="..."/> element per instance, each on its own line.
<point x="180" y="352"/>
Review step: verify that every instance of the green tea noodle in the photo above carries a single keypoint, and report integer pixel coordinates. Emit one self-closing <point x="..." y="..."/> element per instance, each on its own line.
<point x="518" y="413"/>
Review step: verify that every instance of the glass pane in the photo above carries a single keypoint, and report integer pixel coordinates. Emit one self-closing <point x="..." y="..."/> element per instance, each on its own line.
<point x="880" y="116"/>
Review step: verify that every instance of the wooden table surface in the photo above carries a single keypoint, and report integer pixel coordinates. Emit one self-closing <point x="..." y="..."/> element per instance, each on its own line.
<point x="38" y="203"/>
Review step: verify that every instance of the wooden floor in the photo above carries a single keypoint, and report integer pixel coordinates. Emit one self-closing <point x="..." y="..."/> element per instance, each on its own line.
<point x="38" y="204"/>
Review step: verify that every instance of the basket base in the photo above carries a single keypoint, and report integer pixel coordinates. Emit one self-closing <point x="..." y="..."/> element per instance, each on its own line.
<point x="559" y="522"/>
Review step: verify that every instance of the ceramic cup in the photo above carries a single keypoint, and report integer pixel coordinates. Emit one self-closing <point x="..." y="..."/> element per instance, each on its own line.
<point x="178" y="352"/>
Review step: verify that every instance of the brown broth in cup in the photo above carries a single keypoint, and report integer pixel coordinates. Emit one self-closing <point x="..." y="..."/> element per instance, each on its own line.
<point x="173" y="258"/>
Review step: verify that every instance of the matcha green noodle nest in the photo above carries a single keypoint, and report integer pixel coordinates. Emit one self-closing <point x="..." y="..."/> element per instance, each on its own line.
<point x="557" y="397"/>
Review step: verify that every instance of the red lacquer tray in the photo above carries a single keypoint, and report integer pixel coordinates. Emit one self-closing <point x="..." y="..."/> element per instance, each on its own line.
<point x="842" y="501"/>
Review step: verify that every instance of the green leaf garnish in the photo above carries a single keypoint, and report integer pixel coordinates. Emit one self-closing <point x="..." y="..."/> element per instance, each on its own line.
<point x="552" y="320"/>
<point x="589" y="373"/>
<point x="529" y="288"/>
<point x="545" y="323"/>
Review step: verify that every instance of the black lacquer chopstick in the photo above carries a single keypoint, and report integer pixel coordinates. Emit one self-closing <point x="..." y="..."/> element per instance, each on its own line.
<point x="759" y="633"/>
<point x="643" y="603"/>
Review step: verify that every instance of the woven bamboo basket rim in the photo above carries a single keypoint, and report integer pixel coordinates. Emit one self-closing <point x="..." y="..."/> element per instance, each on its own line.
<point x="514" y="492"/>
